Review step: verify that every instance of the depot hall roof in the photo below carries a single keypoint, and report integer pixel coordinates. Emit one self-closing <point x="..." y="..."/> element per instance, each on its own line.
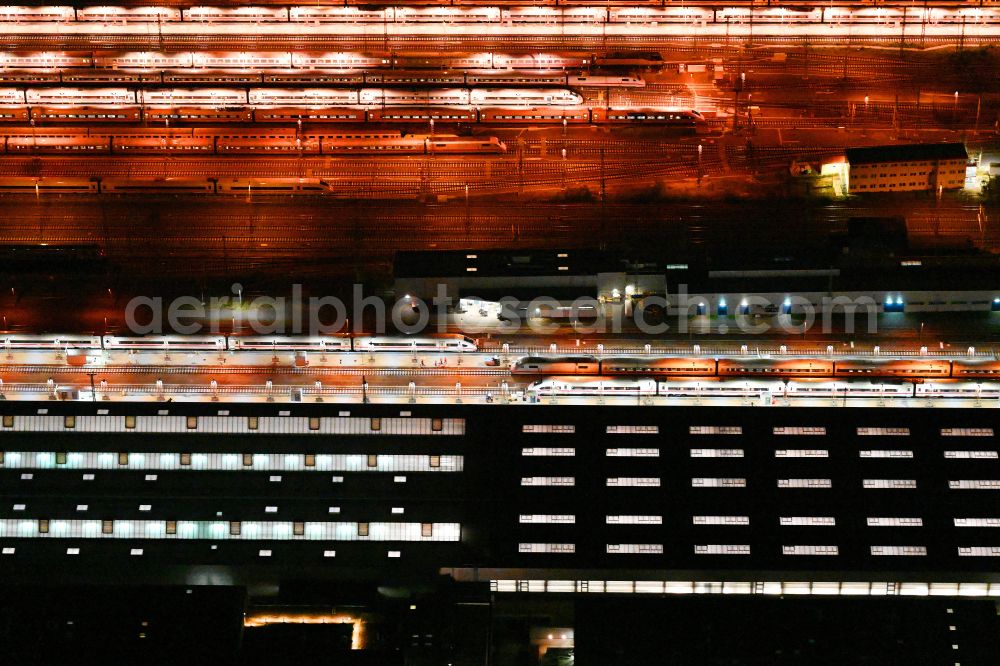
<point x="913" y="152"/>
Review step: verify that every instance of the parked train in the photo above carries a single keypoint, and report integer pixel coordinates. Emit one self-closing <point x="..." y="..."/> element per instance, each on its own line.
<point x="339" y="60"/>
<point x="683" y="118"/>
<point x="547" y="11"/>
<point x="443" y="342"/>
<point x="768" y="391"/>
<point x="203" y="141"/>
<point x="224" y="97"/>
<point x="457" y="78"/>
<point x="796" y="368"/>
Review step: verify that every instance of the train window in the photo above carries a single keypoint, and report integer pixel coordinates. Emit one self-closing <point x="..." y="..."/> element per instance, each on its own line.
<point x="123" y="458"/>
<point x="362" y="529"/>
<point x="434" y="461"/>
<point x="107" y="527"/>
<point x="192" y="422"/>
<point x="298" y="528"/>
<point x="310" y="460"/>
<point x="426" y="529"/>
<point x="8" y="420"/>
<point x="372" y="460"/>
<point x="313" y="423"/>
<point x="185" y="459"/>
<point x="375" y="424"/>
<point x="60" y="457"/>
<point x="69" y="421"/>
<point x="437" y="425"/>
<point x="235" y="527"/>
<point x="43" y="526"/>
<point x="171" y="527"/>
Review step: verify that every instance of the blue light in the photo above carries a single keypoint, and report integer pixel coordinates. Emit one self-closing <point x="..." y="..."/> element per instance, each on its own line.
<point x="899" y="300"/>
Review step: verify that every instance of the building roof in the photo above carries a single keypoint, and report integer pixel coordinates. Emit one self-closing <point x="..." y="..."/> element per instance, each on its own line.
<point x="907" y="153"/>
<point x="512" y="263"/>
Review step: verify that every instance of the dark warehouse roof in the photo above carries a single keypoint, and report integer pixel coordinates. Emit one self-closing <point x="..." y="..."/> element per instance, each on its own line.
<point x="907" y="153"/>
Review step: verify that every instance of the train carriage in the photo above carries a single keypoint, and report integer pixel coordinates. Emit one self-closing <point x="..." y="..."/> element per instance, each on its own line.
<point x="46" y="14"/>
<point x="535" y="115"/>
<point x="272" y="186"/>
<point x="266" y="145"/>
<point x="445" y="342"/>
<point x="142" y="60"/>
<point x="439" y="61"/>
<point x="105" y="14"/>
<point x="975" y="369"/>
<point x="165" y="343"/>
<point x="137" y="145"/>
<point x="49" y="59"/>
<point x="683" y="367"/>
<point x="212" y="76"/>
<point x="414" y="97"/>
<point x="76" y="113"/>
<point x="30" y="76"/>
<point x="402" y="114"/>
<point x="524" y="97"/>
<point x="461" y="145"/>
<point x="553" y="15"/>
<point x="338" y="60"/>
<point x="340" y="77"/>
<point x="339" y="15"/>
<point x="13" y="114"/>
<point x="197" y="114"/>
<point x="10" y="96"/>
<point x="556" y="365"/>
<point x="325" y="114"/>
<point x="282" y="343"/>
<point x="54" y="145"/>
<point x="302" y="96"/>
<point x="437" y="14"/>
<point x="923" y="368"/>
<point x="775" y="368"/>
<point x="242" y="59"/>
<point x="540" y="61"/>
<point x="420" y="78"/>
<point x="514" y="78"/>
<point x="79" y="96"/>
<point x="110" y="76"/>
<point x="218" y="97"/>
<point x="236" y="14"/>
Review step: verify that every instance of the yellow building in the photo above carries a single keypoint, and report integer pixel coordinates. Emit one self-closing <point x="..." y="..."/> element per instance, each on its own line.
<point x="906" y="168"/>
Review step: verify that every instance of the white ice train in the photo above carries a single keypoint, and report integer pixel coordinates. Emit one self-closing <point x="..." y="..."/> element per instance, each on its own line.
<point x="332" y="343"/>
<point x="654" y="12"/>
<point x="768" y="390"/>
